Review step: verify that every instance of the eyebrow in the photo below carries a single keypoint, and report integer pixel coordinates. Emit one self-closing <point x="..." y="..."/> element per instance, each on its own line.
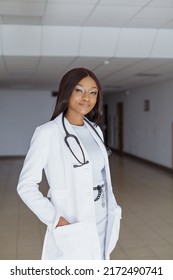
<point x="84" y="86"/>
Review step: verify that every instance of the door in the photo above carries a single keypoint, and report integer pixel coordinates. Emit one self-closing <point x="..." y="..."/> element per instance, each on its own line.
<point x="105" y="123"/>
<point x="120" y="114"/>
<point x="172" y="145"/>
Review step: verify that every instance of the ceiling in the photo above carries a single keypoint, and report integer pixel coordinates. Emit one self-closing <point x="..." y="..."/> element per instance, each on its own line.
<point x="127" y="43"/>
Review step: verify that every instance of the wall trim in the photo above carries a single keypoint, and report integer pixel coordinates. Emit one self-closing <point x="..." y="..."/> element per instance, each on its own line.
<point x="11" y="157"/>
<point x="145" y="161"/>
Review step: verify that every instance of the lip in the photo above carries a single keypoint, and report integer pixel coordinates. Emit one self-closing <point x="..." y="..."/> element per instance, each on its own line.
<point x="84" y="105"/>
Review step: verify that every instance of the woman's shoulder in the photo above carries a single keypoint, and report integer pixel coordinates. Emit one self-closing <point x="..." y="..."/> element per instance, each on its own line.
<point x="48" y="128"/>
<point x="45" y="131"/>
<point x="46" y="125"/>
<point x="50" y="124"/>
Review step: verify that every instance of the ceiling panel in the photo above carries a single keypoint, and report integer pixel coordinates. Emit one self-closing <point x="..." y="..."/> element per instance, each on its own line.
<point x="22" y="20"/>
<point x="21" y="40"/>
<point x="37" y="64"/>
<point x="124" y="2"/>
<point x="165" y="69"/>
<point x="110" y="16"/>
<point x="105" y="70"/>
<point x="129" y="76"/>
<point x="22" y="64"/>
<point x="21" y="82"/>
<point x="161" y="3"/>
<point x="54" y="20"/>
<point x="91" y="42"/>
<point x="145" y="65"/>
<point x="52" y="66"/>
<point x="58" y="42"/>
<point x="134" y="43"/>
<point x="168" y="25"/>
<point x="22" y="8"/>
<point x="73" y="2"/>
<point x="63" y="14"/>
<point x="62" y="10"/>
<point x="47" y="83"/>
<point x="87" y="62"/>
<point x="142" y="23"/>
<point x="162" y="14"/>
<point x="14" y="1"/>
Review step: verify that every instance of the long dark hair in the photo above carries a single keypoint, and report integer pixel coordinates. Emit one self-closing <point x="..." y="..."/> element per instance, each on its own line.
<point x="66" y="87"/>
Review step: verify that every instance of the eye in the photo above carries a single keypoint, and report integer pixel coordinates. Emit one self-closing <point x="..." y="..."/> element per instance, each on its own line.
<point x="93" y="92"/>
<point x="78" y="90"/>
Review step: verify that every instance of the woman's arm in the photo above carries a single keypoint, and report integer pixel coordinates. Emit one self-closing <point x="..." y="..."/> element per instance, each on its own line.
<point x="31" y="176"/>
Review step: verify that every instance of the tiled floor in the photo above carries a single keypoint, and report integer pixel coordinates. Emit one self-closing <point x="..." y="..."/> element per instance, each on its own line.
<point x="144" y="192"/>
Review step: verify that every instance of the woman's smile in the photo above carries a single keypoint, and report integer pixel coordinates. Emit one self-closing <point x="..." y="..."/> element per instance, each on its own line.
<point x="84" y="105"/>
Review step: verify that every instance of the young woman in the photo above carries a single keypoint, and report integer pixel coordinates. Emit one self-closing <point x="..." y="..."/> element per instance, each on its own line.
<point x="81" y="213"/>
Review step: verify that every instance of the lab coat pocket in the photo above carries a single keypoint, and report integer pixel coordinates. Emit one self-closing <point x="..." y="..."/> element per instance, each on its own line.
<point x="115" y="228"/>
<point x="72" y="242"/>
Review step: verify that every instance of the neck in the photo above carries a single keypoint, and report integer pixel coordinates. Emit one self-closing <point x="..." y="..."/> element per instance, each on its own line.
<point x="74" y="120"/>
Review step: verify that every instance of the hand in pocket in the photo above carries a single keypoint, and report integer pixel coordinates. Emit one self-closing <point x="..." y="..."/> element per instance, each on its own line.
<point x="62" y="222"/>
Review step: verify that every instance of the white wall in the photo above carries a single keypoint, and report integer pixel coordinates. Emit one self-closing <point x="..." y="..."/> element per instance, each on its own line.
<point x="20" y="112"/>
<point x="147" y="135"/>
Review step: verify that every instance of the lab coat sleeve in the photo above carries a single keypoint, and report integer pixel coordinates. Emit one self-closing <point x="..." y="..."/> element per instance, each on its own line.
<point x="31" y="176"/>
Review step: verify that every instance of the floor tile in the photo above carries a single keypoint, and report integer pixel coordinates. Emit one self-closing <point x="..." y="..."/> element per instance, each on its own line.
<point x="144" y="193"/>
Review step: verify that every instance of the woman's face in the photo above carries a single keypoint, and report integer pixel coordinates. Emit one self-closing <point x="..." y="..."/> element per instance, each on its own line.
<point x="83" y="98"/>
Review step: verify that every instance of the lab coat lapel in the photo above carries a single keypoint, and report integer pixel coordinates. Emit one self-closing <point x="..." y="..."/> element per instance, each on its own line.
<point x="97" y="139"/>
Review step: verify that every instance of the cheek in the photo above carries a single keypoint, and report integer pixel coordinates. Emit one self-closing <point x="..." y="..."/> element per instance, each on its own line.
<point x="94" y="101"/>
<point x="74" y="98"/>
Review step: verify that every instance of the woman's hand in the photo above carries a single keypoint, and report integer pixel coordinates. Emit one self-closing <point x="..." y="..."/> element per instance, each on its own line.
<point x="62" y="222"/>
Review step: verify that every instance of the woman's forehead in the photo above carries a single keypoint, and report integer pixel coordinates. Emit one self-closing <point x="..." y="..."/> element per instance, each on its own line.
<point x="87" y="82"/>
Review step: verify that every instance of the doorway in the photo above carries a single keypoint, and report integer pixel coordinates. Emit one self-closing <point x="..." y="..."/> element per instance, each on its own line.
<point x="120" y="114"/>
<point x="105" y="123"/>
<point x="172" y="145"/>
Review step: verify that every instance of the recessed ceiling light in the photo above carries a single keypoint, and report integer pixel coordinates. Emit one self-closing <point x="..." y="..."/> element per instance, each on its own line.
<point x="106" y="62"/>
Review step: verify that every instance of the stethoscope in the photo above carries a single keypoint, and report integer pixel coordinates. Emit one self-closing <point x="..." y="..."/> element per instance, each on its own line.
<point x="84" y="161"/>
<point x="72" y="136"/>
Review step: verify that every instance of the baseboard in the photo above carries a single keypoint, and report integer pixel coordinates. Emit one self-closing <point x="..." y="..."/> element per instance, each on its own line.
<point x="12" y="157"/>
<point x="145" y="161"/>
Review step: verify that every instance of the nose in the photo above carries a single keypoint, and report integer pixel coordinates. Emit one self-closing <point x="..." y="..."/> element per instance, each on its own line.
<point x="85" y="96"/>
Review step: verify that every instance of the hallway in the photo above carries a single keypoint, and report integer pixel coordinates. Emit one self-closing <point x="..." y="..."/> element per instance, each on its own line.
<point x="144" y="192"/>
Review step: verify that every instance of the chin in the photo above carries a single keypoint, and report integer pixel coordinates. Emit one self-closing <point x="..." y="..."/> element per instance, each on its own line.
<point x="84" y="111"/>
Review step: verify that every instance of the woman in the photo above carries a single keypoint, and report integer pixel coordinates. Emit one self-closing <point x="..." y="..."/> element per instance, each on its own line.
<point x="82" y="216"/>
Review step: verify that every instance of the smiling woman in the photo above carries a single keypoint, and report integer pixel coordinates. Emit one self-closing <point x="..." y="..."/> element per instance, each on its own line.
<point x="82" y="215"/>
<point x="82" y="101"/>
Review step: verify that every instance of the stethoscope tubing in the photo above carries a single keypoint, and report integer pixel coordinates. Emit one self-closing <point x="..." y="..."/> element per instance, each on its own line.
<point x="69" y="135"/>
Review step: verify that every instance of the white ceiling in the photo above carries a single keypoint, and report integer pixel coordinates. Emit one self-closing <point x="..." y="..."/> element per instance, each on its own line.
<point x="127" y="43"/>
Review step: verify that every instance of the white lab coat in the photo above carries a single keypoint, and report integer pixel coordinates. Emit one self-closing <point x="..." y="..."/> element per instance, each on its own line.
<point x="71" y="195"/>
